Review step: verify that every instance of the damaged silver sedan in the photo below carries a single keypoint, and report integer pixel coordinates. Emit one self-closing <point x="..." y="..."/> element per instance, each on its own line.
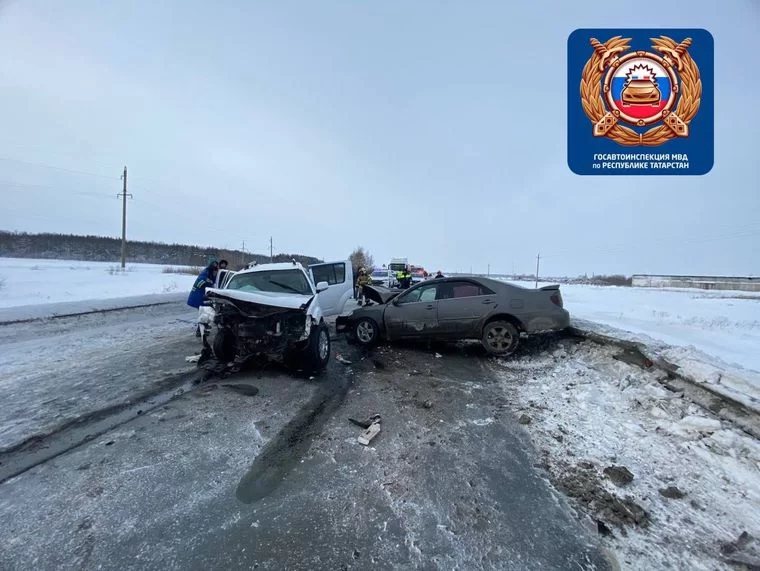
<point x="464" y="307"/>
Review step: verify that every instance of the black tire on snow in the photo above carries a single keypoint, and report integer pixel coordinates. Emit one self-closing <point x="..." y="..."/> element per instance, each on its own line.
<point x="500" y="338"/>
<point x="366" y="332"/>
<point x="317" y="353"/>
<point x="225" y="346"/>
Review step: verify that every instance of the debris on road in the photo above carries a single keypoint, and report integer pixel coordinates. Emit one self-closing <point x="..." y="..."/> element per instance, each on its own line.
<point x="369" y="434"/>
<point x="365" y="424"/>
<point x="438" y="355"/>
<point x="193" y="358"/>
<point x="342" y="359"/>
<point x="371" y="428"/>
<point x="524" y="419"/>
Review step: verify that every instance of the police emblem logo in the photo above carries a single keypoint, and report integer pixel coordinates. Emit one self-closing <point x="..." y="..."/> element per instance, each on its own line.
<point x="641" y="88"/>
<point x="644" y="91"/>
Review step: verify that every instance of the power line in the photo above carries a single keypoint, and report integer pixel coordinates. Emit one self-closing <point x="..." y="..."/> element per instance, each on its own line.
<point x="16" y="186"/>
<point x="124" y="196"/>
<point x="52" y="167"/>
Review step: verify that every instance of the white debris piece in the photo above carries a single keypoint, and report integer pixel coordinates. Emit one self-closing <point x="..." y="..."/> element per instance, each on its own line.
<point x="367" y="436"/>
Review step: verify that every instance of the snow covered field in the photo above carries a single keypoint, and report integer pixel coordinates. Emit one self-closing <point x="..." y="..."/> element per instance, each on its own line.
<point x="32" y="282"/>
<point x="713" y="336"/>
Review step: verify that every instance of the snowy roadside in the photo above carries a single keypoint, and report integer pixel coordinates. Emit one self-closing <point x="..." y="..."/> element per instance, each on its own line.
<point x="23" y="313"/>
<point x="34" y="282"/>
<point x="712" y="336"/>
<point x="739" y="384"/>
<point x="695" y="486"/>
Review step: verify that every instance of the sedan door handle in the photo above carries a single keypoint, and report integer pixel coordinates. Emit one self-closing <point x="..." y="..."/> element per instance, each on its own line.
<point x="430" y="307"/>
<point x="486" y="301"/>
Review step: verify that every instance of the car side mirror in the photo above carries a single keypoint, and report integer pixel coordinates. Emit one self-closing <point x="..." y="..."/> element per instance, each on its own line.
<point x="322" y="286"/>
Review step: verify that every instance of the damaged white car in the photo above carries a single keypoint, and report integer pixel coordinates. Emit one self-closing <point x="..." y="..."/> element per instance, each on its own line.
<point x="277" y="311"/>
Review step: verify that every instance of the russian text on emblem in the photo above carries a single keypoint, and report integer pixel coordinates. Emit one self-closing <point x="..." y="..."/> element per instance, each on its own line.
<point x="659" y="89"/>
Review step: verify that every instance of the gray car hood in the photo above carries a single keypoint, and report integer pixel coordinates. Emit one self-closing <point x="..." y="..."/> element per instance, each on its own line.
<point x="379" y="294"/>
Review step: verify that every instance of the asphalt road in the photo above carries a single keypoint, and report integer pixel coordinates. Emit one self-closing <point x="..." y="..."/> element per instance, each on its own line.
<point x="56" y="371"/>
<point x="263" y="470"/>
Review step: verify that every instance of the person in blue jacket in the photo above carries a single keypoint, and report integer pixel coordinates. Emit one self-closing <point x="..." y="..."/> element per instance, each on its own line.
<point x="198" y="293"/>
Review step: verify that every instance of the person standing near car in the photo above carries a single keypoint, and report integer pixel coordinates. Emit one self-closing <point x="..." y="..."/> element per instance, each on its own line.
<point x="198" y="292"/>
<point x="406" y="278"/>
<point x="439" y="275"/>
<point x="364" y="279"/>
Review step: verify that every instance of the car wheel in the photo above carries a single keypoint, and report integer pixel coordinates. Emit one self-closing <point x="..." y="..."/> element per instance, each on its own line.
<point x="366" y="332"/>
<point x="225" y="346"/>
<point x="318" y="350"/>
<point x="500" y="338"/>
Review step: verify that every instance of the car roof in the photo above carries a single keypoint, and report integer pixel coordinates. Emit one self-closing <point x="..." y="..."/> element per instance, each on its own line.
<point x="479" y="279"/>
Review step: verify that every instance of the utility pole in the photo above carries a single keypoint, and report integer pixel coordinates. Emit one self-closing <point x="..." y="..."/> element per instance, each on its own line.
<point x="538" y="260"/>
<point x="124" y="196"/>
<point x="271" y="251"/>
<point x="242" y="256"/>
<point x="489" y="270"/>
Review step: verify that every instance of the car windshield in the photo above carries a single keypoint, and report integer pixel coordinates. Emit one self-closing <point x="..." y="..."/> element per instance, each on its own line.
<point x="274" y="281"/>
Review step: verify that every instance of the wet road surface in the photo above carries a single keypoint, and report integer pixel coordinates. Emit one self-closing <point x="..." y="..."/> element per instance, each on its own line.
<point x="268" y="474"/>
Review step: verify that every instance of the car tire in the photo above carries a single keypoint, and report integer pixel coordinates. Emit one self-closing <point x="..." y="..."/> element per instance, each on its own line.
<point x="317" y="353"/>
<point x="500" y="338"/>
<point x="366" y="332"/>
<point x="225" y="346"/>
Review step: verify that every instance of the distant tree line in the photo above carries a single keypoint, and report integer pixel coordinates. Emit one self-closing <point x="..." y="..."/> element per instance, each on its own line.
<point x="103" y="249"/>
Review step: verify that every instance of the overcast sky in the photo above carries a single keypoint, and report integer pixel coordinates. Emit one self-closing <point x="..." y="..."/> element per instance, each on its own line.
<point x="432" y="130"/>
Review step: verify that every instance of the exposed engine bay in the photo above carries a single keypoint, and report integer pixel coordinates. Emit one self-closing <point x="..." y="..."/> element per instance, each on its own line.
<point x="246" y="329"/>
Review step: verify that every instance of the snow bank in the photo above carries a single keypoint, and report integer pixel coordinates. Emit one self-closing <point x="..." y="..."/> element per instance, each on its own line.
<point x="712" y="336"/>
<point x="696" y="477"/>
<point x="34" y="282"/>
